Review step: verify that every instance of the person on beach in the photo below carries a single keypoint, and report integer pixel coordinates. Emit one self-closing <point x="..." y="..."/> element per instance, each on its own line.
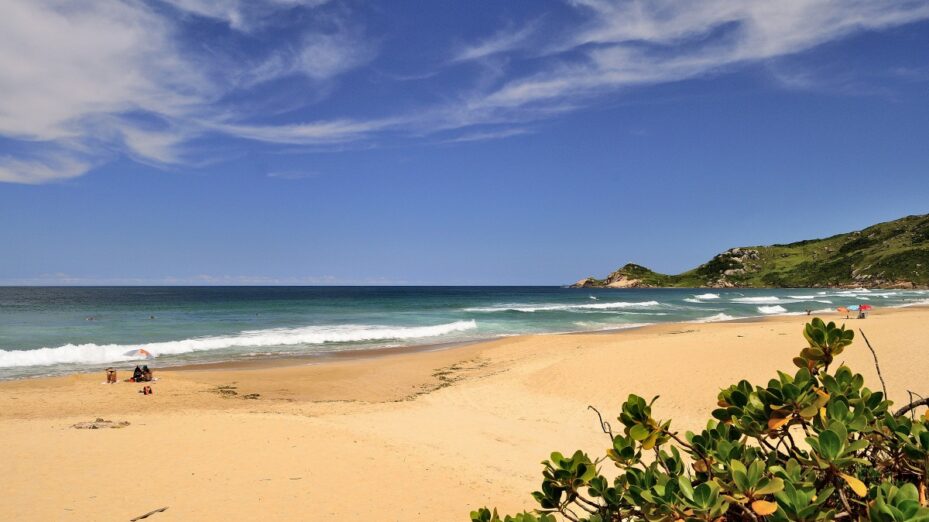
<point x="110" y="376"/>
<point x="146" y="374"/>
<point x="136" y="375"/>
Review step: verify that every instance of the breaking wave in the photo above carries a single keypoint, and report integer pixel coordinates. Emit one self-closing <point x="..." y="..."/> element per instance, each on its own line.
<point x="707" y="296"/>
<point x="528" y="308"/>
<point x="780" y="300"/>
<point x="776" y="309"/>
<point x="111" y="353"/>
<point x="753" y="300"/>
<point x="715" y="318"/>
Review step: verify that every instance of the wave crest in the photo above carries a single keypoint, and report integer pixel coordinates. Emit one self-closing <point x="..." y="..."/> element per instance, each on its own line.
<point x="529" y="308"/>
<point x="776" y="309"/>
<point x="110" y="353"/>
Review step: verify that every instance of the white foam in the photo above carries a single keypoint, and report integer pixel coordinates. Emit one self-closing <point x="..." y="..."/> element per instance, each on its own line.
<point x="715" y="318"/>
<point x="753" y="300"/>
<point x="776" y="309"/>
<point x="600" y="327"/>
<point x="517" y="307"/>
<point x="110" y="353"/>
<point x="707" y="296"/>
<point x="770" y="299"/>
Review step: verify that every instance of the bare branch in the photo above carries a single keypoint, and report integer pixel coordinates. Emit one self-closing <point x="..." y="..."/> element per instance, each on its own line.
<point x="747" y="511"/>
<point x="912" y="406"/>
<point x="876" y="365"/>
<point x="605" y="426"/>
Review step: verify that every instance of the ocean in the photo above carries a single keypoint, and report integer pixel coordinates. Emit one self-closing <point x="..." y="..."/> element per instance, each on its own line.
<point x="58" y="330"/>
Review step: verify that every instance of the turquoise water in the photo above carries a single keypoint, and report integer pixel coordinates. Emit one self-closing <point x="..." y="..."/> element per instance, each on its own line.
<point x="47" y="331"/>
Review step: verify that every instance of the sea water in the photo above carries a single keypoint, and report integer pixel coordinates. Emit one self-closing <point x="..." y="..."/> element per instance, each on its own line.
<point x="55" y="330"/>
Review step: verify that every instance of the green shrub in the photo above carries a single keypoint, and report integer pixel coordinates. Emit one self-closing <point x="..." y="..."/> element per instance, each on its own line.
<point x="810" y="446"/>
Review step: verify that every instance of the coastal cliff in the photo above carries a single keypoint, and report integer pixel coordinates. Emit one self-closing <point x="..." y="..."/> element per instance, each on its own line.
<point x="894" y="254"/>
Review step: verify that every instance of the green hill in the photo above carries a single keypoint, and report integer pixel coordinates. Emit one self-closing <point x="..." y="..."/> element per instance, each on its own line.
<point x="894" y="254"/>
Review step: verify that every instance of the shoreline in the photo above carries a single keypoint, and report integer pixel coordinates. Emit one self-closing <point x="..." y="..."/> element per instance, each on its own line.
<point x="467" y="424"/>
<point x="321" y="358"/>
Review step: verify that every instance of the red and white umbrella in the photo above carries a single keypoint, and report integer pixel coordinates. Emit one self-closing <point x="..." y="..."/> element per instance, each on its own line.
<point x="141" y="353"/>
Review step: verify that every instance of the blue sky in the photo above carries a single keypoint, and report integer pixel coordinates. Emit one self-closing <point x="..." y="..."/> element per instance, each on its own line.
<point x="469" y="142"/>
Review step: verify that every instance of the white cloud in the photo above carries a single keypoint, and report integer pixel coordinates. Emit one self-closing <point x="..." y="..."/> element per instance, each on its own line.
<point x="320" y="56"/>
<point x="630" y="43"/>
<point x="241" y="15"/>
<point x="111" y="74"/>
<point x="489" y="135"/>
<point x="62" y="66"/>
<point x="293" y="174"/>
<point x="114" y="75"/>
<point x="315" y="133"/>
<point x="503" y="41"/>
<point x="53" y="167"/>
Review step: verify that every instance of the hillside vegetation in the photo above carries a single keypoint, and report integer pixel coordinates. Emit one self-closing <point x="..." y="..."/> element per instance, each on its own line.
<point x="894" y="254"/>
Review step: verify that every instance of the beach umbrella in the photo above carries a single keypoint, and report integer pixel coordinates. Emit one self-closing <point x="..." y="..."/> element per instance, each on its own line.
<point x="140" y="353"/>
<point x="853" y="308"/>
<point x="864" y="307"/>
<point x="842" y="309"/>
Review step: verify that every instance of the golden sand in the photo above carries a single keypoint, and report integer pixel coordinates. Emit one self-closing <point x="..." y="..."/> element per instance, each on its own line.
<point x="407" y="436"/>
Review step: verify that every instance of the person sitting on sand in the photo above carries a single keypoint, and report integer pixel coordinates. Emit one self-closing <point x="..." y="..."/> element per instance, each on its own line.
<point x="146" y="374"/>
<point x="110" y="376"/>
<point x="136" y="375"/>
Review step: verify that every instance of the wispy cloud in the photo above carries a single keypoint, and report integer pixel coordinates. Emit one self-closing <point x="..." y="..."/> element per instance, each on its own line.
<point x="317" y="55"/>
<point x="633" y="43"/>
<point x="53" y="167"/>
<point x="489" y="135"/>
<point x="315" y="133"/>
<point x="506" y="40"/>
<point x="293" y="174"/>
<point x="118" y="77"/>
<point x="241" y="15"/>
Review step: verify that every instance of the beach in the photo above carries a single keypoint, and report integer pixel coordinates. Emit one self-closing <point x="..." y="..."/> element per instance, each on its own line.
<point x="406" y="435"/>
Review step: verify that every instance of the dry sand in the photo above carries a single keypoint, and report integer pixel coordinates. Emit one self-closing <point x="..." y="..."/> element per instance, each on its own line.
<point x="410" y="436"/>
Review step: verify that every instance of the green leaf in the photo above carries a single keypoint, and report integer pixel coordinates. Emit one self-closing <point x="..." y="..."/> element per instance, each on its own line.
<point x="829" y="445"/>
<point x="686" y="488"/>
<point x="772" y="486"/>
<point x="702" y="495"/>
<point x="639" y="432"/>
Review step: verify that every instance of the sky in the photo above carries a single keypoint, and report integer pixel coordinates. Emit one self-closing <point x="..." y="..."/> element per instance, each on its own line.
<point x="328" y="142"/>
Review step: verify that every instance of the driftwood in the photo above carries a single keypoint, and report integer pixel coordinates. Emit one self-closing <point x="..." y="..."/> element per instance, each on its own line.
<point x="150" y="513"/>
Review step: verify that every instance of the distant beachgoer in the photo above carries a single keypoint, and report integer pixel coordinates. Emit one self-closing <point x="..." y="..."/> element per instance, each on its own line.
<point x="146" y="390"/>
<point x="136" y="375"/>
<point x="808" y="311"/>
<point x="110" y="376"/>
<point x="146" y="374"/>
<point x="151" y="317"/>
